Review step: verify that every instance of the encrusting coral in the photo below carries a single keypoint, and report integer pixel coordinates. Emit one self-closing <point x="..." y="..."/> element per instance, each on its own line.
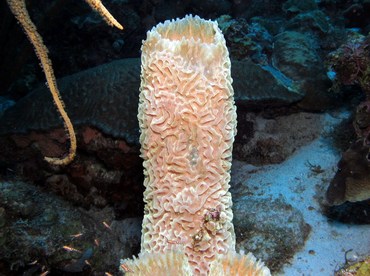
<point x="350" y="63"/>
<point x="187" y="119"/>
<point x="18" y="8"/>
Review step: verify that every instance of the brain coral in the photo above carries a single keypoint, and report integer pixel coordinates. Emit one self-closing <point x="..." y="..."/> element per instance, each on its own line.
<point x="187" y="119"/>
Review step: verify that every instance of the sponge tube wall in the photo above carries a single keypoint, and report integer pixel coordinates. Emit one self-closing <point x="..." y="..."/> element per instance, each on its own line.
<point x="187" y="119"/>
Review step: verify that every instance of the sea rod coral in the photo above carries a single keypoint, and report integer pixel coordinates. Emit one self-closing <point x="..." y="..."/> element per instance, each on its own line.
<point x="18" y="8"/>
<point x="187" y="118"/>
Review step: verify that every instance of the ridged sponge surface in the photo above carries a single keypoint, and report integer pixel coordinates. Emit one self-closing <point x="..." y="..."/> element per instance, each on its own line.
<point x="187" y="119"/>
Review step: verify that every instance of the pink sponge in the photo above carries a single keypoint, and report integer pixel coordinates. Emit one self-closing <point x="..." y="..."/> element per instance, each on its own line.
<point x="187" y="119"/>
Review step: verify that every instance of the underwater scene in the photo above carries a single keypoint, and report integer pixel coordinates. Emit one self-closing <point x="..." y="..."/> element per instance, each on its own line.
<point x="169" y="137"/>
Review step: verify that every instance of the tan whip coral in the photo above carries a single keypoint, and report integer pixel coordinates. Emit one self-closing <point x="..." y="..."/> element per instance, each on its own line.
<point x="102" y="10"/>
<point x="18" y="8"/>
<point x="187" y="119"/>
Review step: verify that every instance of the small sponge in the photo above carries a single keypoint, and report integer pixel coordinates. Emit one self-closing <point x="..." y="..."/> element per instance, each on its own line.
<point x="175" y="263"/>
<point x="238" y="264"/>
<point x="147" y="264"/>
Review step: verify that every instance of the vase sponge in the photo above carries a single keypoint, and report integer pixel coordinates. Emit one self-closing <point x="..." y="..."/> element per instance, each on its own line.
<point x="187" y="119"/>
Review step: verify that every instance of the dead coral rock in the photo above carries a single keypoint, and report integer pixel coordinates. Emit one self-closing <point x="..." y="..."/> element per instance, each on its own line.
<point x="265" y="86"/>
<point x="362" y="121"/>
<point x="246" y="40"/>
<point x="295" y="54"/>
<point x="106" y="170"/>
<point x="264" y="141"/>
<point x="310" y="21"/>
<point x="272" y="229"/>
<point x="60" y="184"/>
<point x="296" y="6"/>
<point x="38" y="224"/>
<point x="350" y="212"/>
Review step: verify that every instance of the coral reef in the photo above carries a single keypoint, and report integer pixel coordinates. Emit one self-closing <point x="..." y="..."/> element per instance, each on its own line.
<point x="113" y="86"/>
<point x="277" y="73"/>
<point x="310" y="22"/>
<point x="296" y="6"/>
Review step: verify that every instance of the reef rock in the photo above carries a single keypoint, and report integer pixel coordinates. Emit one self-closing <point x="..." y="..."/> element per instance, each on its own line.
<point x="272" y="229"/>
<point x="352" y="180"/>
<point x="41" y="232"/>
<point x="296" y="56"/>
<point x="262" y="140"/>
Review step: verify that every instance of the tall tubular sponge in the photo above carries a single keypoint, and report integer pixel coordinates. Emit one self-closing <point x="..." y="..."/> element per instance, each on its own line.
<point x="187" y="118"/>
